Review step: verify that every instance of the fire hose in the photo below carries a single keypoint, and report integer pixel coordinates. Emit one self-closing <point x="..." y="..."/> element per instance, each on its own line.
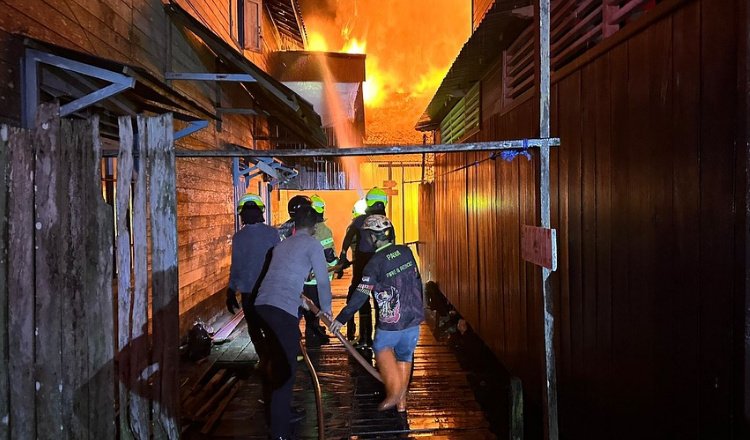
<point x="349" y="348"/>
<point x="316" y="383"/>
<point x="318" y="392"/>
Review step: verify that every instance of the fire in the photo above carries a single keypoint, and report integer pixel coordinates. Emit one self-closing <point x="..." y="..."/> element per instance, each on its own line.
<point x="354" y="46"/>
<point x="429" y="82"/>
<point x="409" y="47"/>
<point x="316" y="42"/>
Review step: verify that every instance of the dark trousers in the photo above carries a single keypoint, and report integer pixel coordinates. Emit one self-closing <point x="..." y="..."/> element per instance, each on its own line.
<point x="365" y="312"/>
<point x="282" y="337"/>
<point x="254" y="325"/>
<point x="312" y="323"/>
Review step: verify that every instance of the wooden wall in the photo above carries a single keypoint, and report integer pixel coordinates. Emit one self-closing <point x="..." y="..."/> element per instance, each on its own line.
<point x="139" y="32"/>
<point x="645" y="192"/>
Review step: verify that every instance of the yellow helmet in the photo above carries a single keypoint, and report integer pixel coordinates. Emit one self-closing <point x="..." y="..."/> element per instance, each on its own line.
<point x="376" y="195"/>
<point x="318" y="204"/>
<point x="251" y="198"/>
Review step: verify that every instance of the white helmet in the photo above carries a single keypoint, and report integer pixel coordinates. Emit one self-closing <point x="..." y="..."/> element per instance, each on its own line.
<point x="377" y="223"/>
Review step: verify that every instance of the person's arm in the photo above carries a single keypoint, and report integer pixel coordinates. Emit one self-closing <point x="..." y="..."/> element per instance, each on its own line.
<point x="361" y="293"/>
<point x="286" y="229"/>
<point x="352" y="233"/>
<point x="325" y="235"/>
<point x="356" y="301"/>
<point x="320" y="269"/>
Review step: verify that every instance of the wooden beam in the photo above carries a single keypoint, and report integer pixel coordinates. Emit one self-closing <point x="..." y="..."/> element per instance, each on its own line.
<point x="52" y="247"/>
<point x="21" y="280"/>
<point x="140" y="414"/>
<point x="96" y="298"/>
<point x="124" y="292"/>
<point x="164" y="285"/>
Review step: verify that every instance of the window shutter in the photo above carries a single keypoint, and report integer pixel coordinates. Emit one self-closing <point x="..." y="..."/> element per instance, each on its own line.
<point x="252" y="23"/>
<point x="463" y="119"/>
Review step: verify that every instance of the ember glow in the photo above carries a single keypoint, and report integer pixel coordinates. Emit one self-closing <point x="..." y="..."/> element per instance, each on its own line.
<point x="410" y="45"/>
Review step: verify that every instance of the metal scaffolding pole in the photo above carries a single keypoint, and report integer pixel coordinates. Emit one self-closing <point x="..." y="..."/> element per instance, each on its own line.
<point x="550" y="389"/>
<point x="239" y="151"/>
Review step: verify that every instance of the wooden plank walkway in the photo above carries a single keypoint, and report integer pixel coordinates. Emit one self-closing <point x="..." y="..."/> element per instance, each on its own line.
<point x="441" y="403"/>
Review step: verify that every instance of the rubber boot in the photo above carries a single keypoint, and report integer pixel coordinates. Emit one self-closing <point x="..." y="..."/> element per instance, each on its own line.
<point x="405" y="371"/>
<point x="389" y="371"/>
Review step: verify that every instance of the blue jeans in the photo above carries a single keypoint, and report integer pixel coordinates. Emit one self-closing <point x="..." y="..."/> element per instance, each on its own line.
<point x="403" y="342"/>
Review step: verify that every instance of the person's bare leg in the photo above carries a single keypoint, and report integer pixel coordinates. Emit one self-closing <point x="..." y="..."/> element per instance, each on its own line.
<point x="405" y="376"/>
<point x="391" y="375"/>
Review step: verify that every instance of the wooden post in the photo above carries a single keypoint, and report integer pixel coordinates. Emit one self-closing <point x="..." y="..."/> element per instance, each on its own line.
<point x="4" y="385"/>
<point x="165" y="310"/>
<point x="140" y="412"/>
<point x="124" y="295"/>
<point x="516" y="409"/>
<point x="102" y="347"/>
<point x="21" y="281"/>
<point x="98" y="336"/>
<point x="51" y="255"/>
<point x="73" y="328"/>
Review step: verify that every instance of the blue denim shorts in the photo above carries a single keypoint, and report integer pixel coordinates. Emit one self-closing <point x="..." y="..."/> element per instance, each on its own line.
<point x="403" y="342"/>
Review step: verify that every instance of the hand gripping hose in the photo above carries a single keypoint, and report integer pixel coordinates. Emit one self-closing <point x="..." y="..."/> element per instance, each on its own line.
<point x="352" y="351"/>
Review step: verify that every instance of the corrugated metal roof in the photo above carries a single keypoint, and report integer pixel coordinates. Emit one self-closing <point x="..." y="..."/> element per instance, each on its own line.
<point x="500" y="26"/>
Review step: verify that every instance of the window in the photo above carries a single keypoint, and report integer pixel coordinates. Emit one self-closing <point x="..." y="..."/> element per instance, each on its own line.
<point x="246" y="23"/>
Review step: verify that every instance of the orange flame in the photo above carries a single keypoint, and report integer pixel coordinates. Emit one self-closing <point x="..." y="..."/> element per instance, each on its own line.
<point x="354" y="46"/>
<point x="409" y="47"/>
<point x="316" y="42"/>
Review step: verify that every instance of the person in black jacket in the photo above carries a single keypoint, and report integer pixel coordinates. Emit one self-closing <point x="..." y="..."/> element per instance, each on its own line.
<point x="392" y="277"/>
<point x="376" y="200"/>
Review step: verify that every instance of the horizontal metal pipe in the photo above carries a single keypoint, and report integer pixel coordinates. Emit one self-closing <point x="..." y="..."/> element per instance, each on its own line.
<point x="366" y="151"/>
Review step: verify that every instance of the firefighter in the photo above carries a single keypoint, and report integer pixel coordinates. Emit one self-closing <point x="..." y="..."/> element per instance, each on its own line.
<point x="315" y="334"/>
<point x="278" y="305"/>
<point x="392" y="277"/>
<point x="376" y="200"/>
<point x="286" y="229"/>
<point x="250" y="249"/>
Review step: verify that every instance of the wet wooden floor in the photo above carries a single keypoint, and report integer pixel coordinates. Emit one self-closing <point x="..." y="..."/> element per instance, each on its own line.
<point x="441" y="404"/>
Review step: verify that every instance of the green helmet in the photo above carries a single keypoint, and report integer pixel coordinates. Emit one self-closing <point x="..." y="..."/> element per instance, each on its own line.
<point x="376" y="195"/>
<point x="318" y="204"/>
<point x="251" y="198"/>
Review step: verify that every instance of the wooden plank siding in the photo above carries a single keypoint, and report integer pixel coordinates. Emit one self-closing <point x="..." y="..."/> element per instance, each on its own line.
<point x="140" y="33"/>
<point x="644" y="190"/>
